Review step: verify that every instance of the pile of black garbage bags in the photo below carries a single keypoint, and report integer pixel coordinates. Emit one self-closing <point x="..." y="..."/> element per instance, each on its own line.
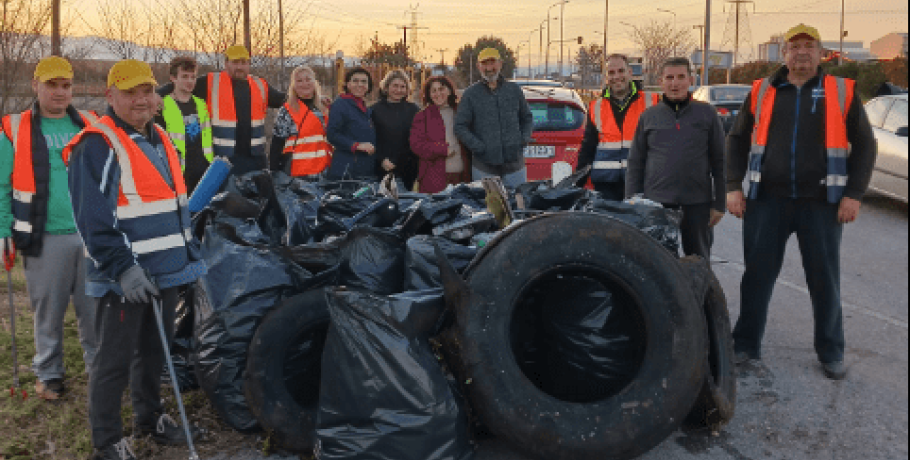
<point x="382" y="388"/>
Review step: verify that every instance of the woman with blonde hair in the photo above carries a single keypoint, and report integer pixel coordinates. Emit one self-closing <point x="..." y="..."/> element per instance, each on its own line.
<point x="299" y="144"/>
<point x="392" y="116"/>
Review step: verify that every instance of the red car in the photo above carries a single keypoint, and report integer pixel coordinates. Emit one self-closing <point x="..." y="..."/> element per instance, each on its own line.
<point x="559" y="128"/>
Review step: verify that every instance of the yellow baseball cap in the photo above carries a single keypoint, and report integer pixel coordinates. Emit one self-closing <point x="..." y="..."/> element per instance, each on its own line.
<point x="237" y="52"/>
<point x="803" y="29"/>
<point x="129" y="74"/>
<point x="53" y="67"/>
<point x="489" y="53"/>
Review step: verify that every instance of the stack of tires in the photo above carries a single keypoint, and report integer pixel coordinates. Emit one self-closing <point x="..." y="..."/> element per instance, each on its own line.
<point x="661" y="358"/>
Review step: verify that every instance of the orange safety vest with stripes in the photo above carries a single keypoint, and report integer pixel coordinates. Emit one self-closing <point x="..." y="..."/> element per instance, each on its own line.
<point x="153" y="215"/>
<point x="839" y="94"/>
<point x="612" y="158"/>
<point x="309" y="149"/>
<point x="224" y="114"/>
<point x="18" y="128"/>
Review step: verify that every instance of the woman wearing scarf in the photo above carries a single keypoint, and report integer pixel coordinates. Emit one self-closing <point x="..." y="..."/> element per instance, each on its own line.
<point x="350" y="130"/>
<point x="443" y="160"/>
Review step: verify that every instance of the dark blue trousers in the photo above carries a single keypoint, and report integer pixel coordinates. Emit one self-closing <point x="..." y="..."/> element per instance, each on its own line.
<point x="767" y="226"/>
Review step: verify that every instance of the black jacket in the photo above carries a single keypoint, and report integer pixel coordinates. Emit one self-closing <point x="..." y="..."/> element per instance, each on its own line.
<point x="392" y="122"/>
<point x="797" y="137"/>
<point x="677" y="156"/>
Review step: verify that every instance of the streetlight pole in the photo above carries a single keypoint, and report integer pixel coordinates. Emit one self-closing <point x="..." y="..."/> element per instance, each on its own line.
<point x="528" y="42"/>
<point x="606" y="29"/>
<point x="540" y="51"/>
<point x="674" y="28"/>
<point x="701" y="37"/>
<point x="840" y="55"/>
<point x="705" y="49"/>
<point x="530" y="36"/>
<point x="548" y="36"/>
<point x="562" y="22"/>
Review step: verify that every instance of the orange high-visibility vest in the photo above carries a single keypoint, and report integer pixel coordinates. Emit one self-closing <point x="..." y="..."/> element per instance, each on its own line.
<point x="224" y="115"/>
<point x="839" y="93"/>
<point x="309" y="149"/>
<point x="612" y="157"/>
<point x="153" y="215"/>
<point x="18" y="128"/>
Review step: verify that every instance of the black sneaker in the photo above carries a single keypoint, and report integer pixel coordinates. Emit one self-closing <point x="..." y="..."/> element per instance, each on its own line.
<point x="167" y="432"/>
<point x="743" y="358"/>
<point x="119" y="451"/>
<point x="835" y="371"/>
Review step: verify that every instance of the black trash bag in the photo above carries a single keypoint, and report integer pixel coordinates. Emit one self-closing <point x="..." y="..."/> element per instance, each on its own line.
<point x="541" y="196"/>
<point x="385" y="396"/>
<point x="229" y="207"/>
<point x="431" y="212"/>
<point x="660" y="223"/>
<point x="422" y="266"/>
<point x="577" y="339"/>
<point x="334" y="211"/>
<point x="243" y="283"/>
<point x="299" y="201"/>
<point x="471" y="196"/>
<point x="372" y="259"/>
<point x="182" y="349"/>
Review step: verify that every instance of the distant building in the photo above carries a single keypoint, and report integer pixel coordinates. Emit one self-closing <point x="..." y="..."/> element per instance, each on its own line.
<point x="853" y="51"/>
<point x="772" y="50"/>
<point x="893" y="45"/>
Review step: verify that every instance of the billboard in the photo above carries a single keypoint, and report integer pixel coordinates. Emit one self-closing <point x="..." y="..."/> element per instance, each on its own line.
<point x="716" y="59"/>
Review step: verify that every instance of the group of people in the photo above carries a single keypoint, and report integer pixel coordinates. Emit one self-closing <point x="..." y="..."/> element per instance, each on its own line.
<point x="98" y="205"/>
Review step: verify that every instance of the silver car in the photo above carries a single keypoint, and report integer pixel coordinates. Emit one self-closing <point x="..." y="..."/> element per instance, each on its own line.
<point x="888" y="115"/>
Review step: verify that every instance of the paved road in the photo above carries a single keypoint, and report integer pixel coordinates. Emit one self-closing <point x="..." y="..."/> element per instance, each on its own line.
<point x="787" y="410"/>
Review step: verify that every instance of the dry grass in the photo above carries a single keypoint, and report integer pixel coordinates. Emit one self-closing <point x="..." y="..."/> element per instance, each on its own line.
<point x="35" y="429"/>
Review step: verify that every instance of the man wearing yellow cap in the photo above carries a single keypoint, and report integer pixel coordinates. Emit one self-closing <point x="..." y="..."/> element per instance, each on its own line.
<point x="495" y="123"/>
<point x="805" y="147"/>
<point x="237" y="104"/>
<point x="36" y="214"/>
<point x="130" y="205"/>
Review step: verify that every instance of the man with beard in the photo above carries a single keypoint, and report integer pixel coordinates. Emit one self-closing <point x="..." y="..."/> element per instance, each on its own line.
<point x="237" y="103"/>
<point x="611" y="129"/>
<point x="495" y="123"/>
<point x="805" y="146"/>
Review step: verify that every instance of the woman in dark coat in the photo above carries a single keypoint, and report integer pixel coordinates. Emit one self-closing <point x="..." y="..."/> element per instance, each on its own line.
<point x="443" y="160"/>
<point x="350" y="130"/>
<point x="392" y="117"/>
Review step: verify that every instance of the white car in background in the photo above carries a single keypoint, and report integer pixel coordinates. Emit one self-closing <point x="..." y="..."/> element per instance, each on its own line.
<point x="888" y="115"/>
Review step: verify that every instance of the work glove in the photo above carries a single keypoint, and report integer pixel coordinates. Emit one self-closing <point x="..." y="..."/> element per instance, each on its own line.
<point x="136" y="286"/>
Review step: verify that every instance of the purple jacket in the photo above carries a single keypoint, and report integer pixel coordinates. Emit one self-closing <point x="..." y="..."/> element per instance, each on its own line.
<point x="428" y="141"/>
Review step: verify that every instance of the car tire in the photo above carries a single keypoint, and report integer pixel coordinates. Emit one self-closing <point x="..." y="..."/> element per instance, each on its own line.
<point x="619" y="426"/>
<point x="293" y="333"/>
<point x="716" y="405"/>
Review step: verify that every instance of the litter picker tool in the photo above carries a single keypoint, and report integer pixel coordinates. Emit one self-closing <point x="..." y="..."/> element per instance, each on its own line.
<point x="156" y="305"/>
<point x="9" y="261"/>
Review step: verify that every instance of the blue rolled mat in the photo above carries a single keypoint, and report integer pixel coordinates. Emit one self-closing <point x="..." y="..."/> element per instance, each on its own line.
<point x="210" y="183"/>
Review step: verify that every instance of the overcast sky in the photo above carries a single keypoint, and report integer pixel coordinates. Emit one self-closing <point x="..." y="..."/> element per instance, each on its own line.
<point x="452" y="23"/>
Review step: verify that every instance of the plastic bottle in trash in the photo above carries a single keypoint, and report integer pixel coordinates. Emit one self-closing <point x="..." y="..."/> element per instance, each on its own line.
<point x="363" y="191"/>
<point x="480" y="240"/>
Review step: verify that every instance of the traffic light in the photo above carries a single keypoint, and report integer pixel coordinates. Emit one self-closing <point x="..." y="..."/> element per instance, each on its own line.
<point x="581" y="40"/>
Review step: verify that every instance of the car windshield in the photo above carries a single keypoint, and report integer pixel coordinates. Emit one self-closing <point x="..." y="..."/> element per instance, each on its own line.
<point x="549" y="84"/>
<point x="556" y="116"/>
<point x="730" y="94"/>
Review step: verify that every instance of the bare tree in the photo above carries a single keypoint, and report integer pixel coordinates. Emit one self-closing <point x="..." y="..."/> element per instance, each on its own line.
<point x="23" y="42"/>
<point x="659" y="41"/>
<point x="211" y="26"/>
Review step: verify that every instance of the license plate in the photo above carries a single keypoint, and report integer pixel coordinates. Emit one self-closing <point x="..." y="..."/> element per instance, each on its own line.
<point x="540" y="151"/>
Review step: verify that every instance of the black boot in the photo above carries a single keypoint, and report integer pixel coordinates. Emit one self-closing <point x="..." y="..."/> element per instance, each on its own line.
<point x="167" y="432"/>
<point x="118" y="451"/>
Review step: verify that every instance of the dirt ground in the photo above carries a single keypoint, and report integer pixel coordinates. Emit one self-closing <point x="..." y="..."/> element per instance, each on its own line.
<point x="34" y="429"/>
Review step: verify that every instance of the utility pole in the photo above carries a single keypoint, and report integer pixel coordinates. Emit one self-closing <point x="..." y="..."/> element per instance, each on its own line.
<point x="442" y="52"/>
<point x="562" y="23"/>
<point x="739" y="21"/>
<point x="247" y="39"/>
<point x="413" y="12"/>
<point x="281" y="41"/>
<point x="55" y="28"/>
<point x="540" y="51"/>
<point x="707" y="44"/>
<point x="840" y="55"/>
<point x="606" y="30"/>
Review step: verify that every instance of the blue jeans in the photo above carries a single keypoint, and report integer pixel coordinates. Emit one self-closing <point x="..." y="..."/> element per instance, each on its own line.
<point x="767" y="226"/>
<point x="511" y="180"/>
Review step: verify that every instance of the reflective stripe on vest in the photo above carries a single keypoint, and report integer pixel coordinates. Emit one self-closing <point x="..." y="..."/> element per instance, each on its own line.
<point x="153" y="216"/>
<point x="611" y="160"/>
<point x="18" y="128"/>
<point x="224" y="115"/>
<point x="309" y="149"/>
<point x="839" y="94"/>
<point x="176" y="128"/>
